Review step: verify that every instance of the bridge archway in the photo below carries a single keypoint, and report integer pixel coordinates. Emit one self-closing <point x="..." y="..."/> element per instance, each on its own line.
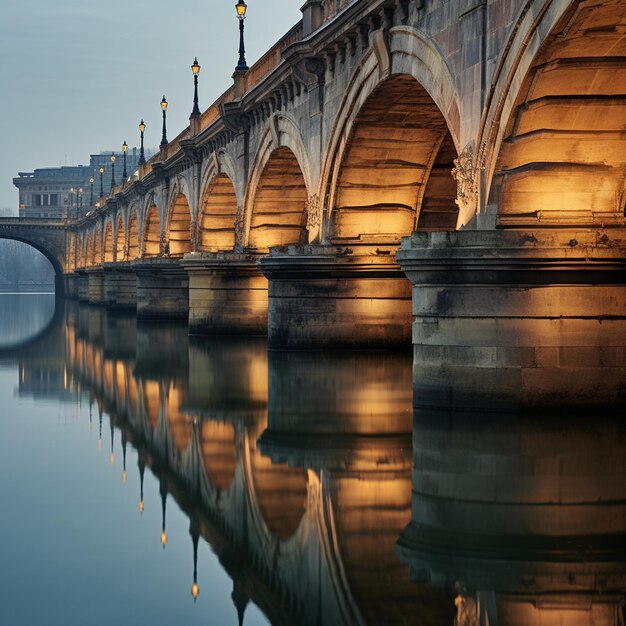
<point x="55" y="261"/>
<point x="120" y="239"/>
<point x="89" y="250"/>
<point x="133" y="235"/>
<point x="218" y="212"/>
<point x="108" y="242"/>
<point x="97" y="246"/>
<point x="561" y="158"/>
<point x="178" y="223"/>
<point x="277" y="215"/>
<point x="151" y="233"/>
<point x="393" y="172"/>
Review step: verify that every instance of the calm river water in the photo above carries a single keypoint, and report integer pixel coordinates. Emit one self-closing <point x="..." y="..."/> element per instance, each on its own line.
<point x="149" y="478"/>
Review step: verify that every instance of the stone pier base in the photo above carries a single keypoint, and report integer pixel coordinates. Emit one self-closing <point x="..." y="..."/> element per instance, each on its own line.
<point x="227" y="294"/>
<point x="120" y="287"/>
<point x="96" y="286"/>
<point x="328" y="296"/>
<point x="162" y="290"/>
<point x="83" y="286"/>
<point x="511" y="318"/>
<point x="67" y="286"/>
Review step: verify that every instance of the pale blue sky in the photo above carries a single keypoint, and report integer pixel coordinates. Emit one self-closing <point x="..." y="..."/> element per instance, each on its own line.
<point x="78" y="75"/>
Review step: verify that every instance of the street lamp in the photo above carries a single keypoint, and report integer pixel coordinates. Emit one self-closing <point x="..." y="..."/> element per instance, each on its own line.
<point x="91" y="191"/>
<point x="142" y="128"/>
<point x="101" y="182"/>
<point x="164" y="109"/>
<point x="195" y="68"/>
<point x="112" y="170"/>
<point x="79" y="199"/>
<point x="71" y="201"/>
<point x="241" y="7"/>
<point x="124" y="151"/>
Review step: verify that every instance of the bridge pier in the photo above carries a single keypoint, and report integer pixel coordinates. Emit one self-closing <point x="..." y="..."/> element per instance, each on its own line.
<point x="67" y="286"/>
<point x="330" y="296"/>
<point x="162" y="289"/>
<point x="83" y="285"/>
<point x="96" y="285"/>
<point x="510" y="318"/>
<point x="227" y="294"/>
<point x="120" y="287"/>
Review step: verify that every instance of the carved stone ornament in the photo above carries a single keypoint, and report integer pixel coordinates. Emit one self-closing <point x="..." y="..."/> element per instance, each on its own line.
<point x="467" y="613"/>
<point x="465" y="172"/>
<point x="312" y="208"/>
<point x="194" y="234"/>
<point x="164" y="245"/>
<point x="240" y="231"/>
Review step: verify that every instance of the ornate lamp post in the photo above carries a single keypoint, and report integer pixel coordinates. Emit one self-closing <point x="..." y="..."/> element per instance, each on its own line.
<point x="124" y="151"/>
<point x="71" y="205"/>
<point x="195" y="68"/>
<point x="79" y="199"/>
<point x="142" y="129"/>
<point x="112" y="170"/>
<point x="241" y="7"/>
<point x="91" y="191"/>
<point x="164" y="109"/>
<point x="101" y="182"/>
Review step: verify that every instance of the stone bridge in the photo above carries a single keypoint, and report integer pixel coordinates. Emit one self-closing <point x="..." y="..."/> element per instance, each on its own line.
<point x="477" y="147"/>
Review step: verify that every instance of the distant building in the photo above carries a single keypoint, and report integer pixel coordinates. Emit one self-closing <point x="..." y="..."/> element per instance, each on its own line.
<point x="56" y="191"/>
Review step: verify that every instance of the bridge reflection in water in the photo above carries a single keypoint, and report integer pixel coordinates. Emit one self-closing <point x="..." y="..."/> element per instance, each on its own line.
<point x="299" y="470"/>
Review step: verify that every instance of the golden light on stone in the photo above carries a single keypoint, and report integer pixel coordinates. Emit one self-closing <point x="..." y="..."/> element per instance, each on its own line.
<point x="195" y="591"/>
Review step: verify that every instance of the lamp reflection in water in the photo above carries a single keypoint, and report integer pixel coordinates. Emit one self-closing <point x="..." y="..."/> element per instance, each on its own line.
<point x="163" y="492"/>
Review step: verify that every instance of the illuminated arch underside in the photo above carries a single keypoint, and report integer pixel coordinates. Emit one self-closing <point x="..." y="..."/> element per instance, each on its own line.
<point x="278" y="216"/>
<point x="564" y="156"/>
<point x="397" y="166"/>
<point x="217" y="221"/>
<point x="152" y="233"/>
<point x="219" y="453"/>
<point x="133" y="237"/>
<point x="179" y="235"/>
<point x="120" y="240"/>
<point x="108" y="243"/>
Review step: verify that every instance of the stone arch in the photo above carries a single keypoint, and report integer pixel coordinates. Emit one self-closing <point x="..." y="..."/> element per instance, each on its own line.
<point x="97" y="244"/>
<point x="178" y="222"/>
<point x="408" y="54"/>
<point x="89" y="249"/>
<point x="151" y="232"/>
<point x="279" y="186"/>
<point x="109" y="247"/>
<point x="120" y="239"/>
<point x="132" y="235"/>
<point x="555" y="131"/>
<point x="55" y="260"/>
<point x="395" y="171"/>
<point x="218" y="215"/>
